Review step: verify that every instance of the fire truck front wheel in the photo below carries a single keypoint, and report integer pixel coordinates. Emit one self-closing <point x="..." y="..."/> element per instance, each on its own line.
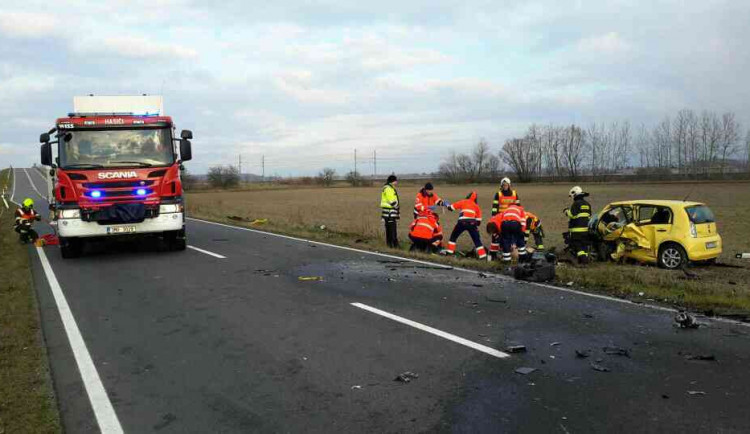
<point x="176" y="240"/>
<point x="71" y="247"/>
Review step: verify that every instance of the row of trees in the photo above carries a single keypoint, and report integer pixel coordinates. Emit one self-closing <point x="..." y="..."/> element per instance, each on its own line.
<point x="689" y="144"/>
<point x="692" y="143"/>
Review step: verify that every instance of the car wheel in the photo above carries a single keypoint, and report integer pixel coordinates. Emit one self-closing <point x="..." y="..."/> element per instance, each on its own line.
<point x="176" y="240"/>
<point x="71" y="247"/>
<point x="672" y="256"/>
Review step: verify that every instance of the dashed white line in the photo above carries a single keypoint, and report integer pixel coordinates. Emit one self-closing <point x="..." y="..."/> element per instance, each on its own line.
<point x="206" y="252"/>
<point x="434" y="331"/>
<point x="468" y="270"/>
<point x="105" y="414"/>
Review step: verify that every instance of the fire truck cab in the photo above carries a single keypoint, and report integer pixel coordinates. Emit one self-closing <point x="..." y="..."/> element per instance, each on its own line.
<point x="116" y="172"/>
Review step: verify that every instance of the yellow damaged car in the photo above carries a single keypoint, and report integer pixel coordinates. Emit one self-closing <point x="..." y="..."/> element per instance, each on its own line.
<point x="666" y="232"/>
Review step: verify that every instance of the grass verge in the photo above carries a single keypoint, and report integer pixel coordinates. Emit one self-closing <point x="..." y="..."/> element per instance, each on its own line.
<point x="27" y="401"/>
<point x="711" y="290"/>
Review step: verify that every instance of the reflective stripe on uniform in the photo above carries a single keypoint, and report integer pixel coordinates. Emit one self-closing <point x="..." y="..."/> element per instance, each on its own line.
<point x="578" y="230"/>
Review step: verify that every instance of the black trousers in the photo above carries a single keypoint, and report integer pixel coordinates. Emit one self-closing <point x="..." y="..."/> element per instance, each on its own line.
<point x="579" y="246"/>
<point x="470" y="227"/>
<point x="423" y="245"/>
<point x="391" y="232"/>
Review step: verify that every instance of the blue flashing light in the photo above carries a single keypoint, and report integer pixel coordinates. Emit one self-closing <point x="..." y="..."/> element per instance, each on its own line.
<point x="96" y="194"/>
<point x="141" y="192"/>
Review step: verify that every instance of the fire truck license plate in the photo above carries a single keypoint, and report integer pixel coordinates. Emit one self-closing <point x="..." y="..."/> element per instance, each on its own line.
<point x="120" y="229"/>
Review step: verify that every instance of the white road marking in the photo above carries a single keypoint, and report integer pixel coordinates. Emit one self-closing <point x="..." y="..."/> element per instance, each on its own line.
<point x="467" y="270"/>
<point x="434" y="331"/>
<point x="13" y="193"/>
<point x="105" y="414"/>
<point x="34" y="185"/>
<point x="215" y="255"/>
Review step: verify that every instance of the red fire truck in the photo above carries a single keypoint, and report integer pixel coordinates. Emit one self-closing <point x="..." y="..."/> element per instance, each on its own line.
<point x="116" y="172"/>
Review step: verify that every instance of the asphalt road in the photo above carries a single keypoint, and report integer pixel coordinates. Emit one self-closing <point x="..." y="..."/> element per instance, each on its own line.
<point x="190" y="342"/>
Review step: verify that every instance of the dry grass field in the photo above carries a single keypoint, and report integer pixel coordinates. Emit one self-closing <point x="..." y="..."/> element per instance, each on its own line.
<point x="351" y="217"/>
<point x="27" y="402"/>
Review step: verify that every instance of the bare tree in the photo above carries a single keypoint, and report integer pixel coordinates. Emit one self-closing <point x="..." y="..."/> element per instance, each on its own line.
<point x="188" y="180"/>
<point x="326" y="176"/>
<point x="479" y="158"/>
<point x="522" y="155"/>
<point x="730" y="135"/>
<point x="574" y="150"/>
<point x="354" y="178"/>
<point x="223" y="176"/>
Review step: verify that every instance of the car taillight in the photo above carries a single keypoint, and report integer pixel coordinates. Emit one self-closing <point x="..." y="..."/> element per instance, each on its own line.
<point x="693" y="230"/>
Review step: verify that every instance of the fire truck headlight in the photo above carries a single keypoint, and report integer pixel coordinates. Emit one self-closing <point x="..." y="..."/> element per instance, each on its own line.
<point x="170" y="208"/>
<point x="69" y="214"/>
<point x="96" y="194"/>
<point x="141" y="192"/>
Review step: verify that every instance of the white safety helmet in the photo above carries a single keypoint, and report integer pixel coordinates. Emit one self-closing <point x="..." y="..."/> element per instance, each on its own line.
<point x="504" y="181"/>
<point x="575" y="191"/>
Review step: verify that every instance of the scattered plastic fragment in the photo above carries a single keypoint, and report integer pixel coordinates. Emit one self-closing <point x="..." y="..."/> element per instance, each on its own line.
<point x="665" y="396"/>
<point x="406" y="377"/>
<point x="525" y="370"/>
<point x="696" y="393"/>
<point x="588" y="315"/>
<point x="616" y="351"/>
<point x="516" y="348"/>
<point x="310" y="278"/>
<point x="600" y="368"/>
<point x="259" y="222"/>
<point x="706" y="357"/>
<point x="582" y="354"/>
<point x="686" y="321"/>
<point x="554" y="344"/>
<point x="356" y="387"/>
<point x="569" y="283"/>
<point x="496" y="300"/>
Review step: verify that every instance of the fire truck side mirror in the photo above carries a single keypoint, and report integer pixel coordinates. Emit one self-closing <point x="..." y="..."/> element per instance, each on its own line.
<point x="186" y="134"/>
<point x="186" y="152"/>
<point x="44" y="138"/>
<point x="46" y="154"/>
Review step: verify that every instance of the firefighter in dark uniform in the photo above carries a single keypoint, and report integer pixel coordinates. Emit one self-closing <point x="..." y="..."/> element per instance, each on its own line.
<point x="579" y="215"/>
<point x="389" y="211"/>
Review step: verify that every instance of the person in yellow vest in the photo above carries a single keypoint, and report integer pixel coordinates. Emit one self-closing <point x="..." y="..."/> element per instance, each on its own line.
<point x="389" y="211"/>
<point x="502" y="200"/>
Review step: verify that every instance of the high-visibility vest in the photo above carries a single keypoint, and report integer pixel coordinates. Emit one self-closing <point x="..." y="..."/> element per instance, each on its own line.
<point x="579" y="215"/>
<point x="424" y="202"/>
<point x="389" y="202"/>
<point x="470" y="211"/>
<point x="532" y="222"/>
<point x="515" y="213"/>
<point x="497" y="221"/>
<point x="425" y="227"/>
<point x="502" y="202"/>
<point x="21" y="215"/>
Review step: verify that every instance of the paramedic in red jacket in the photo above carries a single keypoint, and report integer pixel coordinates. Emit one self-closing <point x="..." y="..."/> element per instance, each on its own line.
<point x="425" y="233"/>
<point x="512" y="228"/>
<point x="469" y="219"/>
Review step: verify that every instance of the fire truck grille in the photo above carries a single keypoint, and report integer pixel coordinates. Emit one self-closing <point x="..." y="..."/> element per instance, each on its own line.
<point x="118" y="184"/>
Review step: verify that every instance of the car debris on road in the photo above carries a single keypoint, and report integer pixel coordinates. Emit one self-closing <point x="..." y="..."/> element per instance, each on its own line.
<point x="406" y="377"/>
<point x="524" y="370"/>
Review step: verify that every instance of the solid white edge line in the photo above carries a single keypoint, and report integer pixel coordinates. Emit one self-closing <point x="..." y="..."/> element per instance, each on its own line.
<point x="434" y="331"/>
<point x="468" y="270"/>
<point x="105" y="414"/>
<point x="206" y="252"/>
<point x="13" y="193"/>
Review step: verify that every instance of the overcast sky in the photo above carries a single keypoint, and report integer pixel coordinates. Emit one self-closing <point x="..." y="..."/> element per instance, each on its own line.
<point x="305" y="83"/>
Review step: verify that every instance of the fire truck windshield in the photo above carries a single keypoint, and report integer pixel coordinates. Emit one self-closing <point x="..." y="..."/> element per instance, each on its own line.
<point x="142" y="147"/>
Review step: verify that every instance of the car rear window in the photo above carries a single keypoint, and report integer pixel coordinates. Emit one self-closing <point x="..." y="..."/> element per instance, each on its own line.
<point x="700" y="214"/>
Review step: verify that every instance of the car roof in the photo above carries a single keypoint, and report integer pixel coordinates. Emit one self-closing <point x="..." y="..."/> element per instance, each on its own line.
<point x="669" y="203"/>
